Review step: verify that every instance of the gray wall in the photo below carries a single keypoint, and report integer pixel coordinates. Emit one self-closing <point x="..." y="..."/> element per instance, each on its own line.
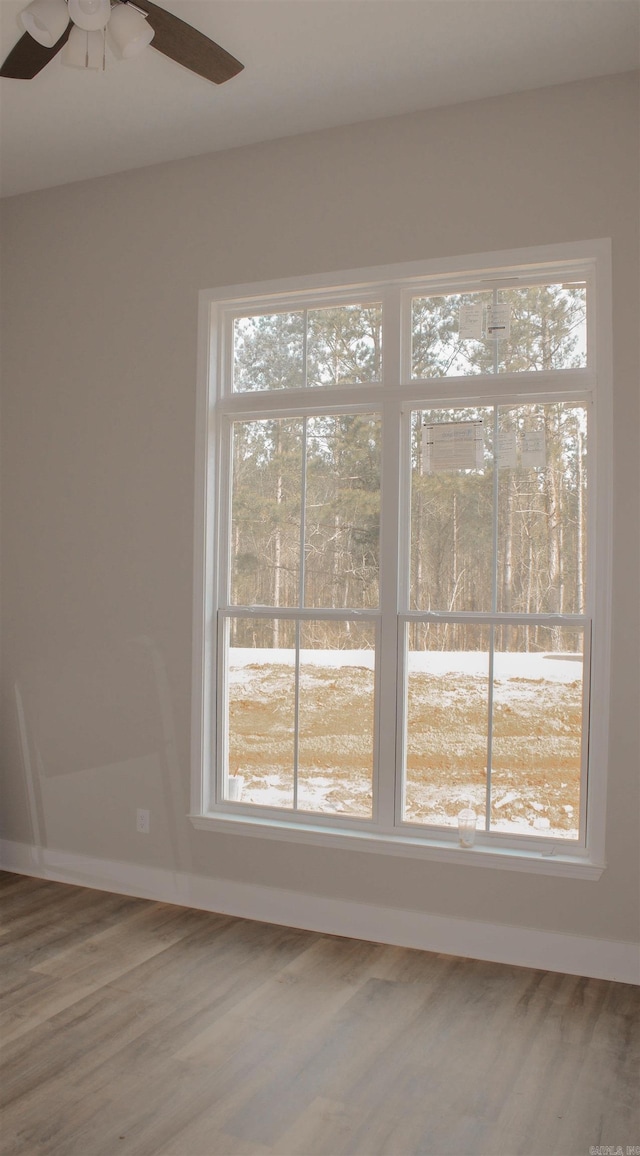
<point x="100" y="283"/>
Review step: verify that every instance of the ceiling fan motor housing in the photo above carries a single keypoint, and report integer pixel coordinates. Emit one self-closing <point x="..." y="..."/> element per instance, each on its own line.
<point x="90" y="15"/>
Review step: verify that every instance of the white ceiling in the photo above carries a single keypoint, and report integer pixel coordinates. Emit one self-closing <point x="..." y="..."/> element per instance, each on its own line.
<point x="309" y="64"/>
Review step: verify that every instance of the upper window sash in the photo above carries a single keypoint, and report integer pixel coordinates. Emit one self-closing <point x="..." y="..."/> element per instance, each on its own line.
<point x="458" y="333"/>
<point x="394" y="365"/>
<point x="317" y="342"/>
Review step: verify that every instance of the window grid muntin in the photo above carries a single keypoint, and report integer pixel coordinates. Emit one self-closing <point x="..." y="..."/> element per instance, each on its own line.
<point x="226" y="489"/>
<point x="578" y="622"/>
<point x="304" y="304"/>
<point x="493" y="619"/>
<point x="403" y="291"/>
<point x="297" y="616"/>
<point x="581" y="399"/>
<point x="493" y="289"/>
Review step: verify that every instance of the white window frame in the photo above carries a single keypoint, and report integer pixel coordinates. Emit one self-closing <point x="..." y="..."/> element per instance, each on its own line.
<point x="217" y="405"/>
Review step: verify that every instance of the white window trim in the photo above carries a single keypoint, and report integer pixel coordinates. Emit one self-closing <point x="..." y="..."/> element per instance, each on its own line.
<point x="481" y="271"/>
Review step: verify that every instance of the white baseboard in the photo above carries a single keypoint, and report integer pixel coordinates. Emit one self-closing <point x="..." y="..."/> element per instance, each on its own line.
<point x="497" y="942"/>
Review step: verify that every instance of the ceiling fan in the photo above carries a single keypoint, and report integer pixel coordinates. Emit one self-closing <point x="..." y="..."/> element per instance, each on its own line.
<point x="80" y="30"/>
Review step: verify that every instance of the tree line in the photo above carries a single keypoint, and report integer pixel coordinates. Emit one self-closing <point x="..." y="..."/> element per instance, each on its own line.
<point x="534" y="560"/>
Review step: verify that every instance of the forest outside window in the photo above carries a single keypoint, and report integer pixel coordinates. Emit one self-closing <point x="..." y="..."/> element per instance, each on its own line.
<point x="406" y="557"/>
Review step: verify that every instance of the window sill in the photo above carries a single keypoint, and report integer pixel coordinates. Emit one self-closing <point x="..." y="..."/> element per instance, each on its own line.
<point x="552" y="859"/>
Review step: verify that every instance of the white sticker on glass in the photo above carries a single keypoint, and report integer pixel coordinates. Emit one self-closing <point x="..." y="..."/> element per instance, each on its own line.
<point x="533" y="450"/>
<point x="470" y="322"/>
<point x="507" y="450"/>
<point x="499" y="320"/>
<point x="456" y="445"/>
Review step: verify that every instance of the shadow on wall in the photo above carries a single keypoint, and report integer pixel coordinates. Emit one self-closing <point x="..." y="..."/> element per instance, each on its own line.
<point x="98" y="751"/>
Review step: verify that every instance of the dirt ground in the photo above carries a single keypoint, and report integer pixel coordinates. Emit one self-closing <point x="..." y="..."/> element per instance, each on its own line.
<point x="535" y="753"/>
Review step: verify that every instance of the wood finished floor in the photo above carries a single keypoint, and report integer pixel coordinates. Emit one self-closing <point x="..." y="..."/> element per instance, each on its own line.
<point x="133" y="1028"/>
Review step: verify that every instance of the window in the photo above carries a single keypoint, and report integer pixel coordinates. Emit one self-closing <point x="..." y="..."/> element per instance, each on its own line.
<point x="402" y="607"/>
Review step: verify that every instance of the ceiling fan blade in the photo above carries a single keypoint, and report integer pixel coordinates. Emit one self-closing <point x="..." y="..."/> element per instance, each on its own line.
<point x="187" y="46"/>
<point x="28" y="58"/>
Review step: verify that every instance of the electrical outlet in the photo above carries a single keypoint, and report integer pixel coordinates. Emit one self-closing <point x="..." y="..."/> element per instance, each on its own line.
<point x="142" y="821"/>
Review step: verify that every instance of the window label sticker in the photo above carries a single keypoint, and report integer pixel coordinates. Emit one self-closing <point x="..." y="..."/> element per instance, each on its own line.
<point x="507" y="450"/>
<point x="470" y="322"/>
<point x="457" y="445"/>
<point x="534" y="451"/>
<point x="499" y="320"/>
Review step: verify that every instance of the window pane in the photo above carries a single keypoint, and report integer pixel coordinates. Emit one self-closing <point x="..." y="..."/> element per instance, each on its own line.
<point x="437" y="350"/>
<point x="268" y="351"/>
<point x="537" y="727"/>
<point x="451" y="510"/>
<point x="335" y="767"/>
<point x="265" y="512"/>
<point x="446" y="722"/>
<point x="342" y="525"/>
<point x="343" y="347"/>
<point x="344" y="344"/>
<point x="547" y="330"/>
<point x="261" y="711"/>
<point x="542" y="509"/>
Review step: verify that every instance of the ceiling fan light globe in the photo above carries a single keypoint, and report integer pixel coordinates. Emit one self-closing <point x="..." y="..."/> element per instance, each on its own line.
<point x="83" y="49"/>
<point x="129" y="31"/>
<point x="90" y="15"/>
<point x="45" y="20"/>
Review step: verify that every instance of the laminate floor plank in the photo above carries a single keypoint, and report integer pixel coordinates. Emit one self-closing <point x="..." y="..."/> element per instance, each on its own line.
<point x="296" y="1000"/>
<point x="589" y="1080"/>
<point x="8" y="878"/>
<point x="16" y="983"/>
<point x="323" y="1126"/>
<point x="106" y="955"/>
<point x="140" y="1094"/>
<point x="143" y="1029"/>
<point x="192" y="1093"/>
<point x="40" y="1002"/>
<point x="402" y="1084"/>
<point x="356" y="1039"/>
<point x="216" y="967"/>
<point x="12" y="884"/>
<point x="74" y="1043"/>
<point x="44" y="895"/>
<point x="202" y="1138"/>
<point x="54" y="926"/>
<point x="151" y="1054"/>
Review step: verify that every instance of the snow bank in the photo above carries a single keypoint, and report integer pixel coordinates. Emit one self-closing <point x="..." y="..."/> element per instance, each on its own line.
<point x="557" y="667"/>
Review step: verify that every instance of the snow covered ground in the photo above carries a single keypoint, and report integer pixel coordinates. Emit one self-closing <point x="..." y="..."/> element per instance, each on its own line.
<point x="557" y="667"/>
<point x="537" y="697"/>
